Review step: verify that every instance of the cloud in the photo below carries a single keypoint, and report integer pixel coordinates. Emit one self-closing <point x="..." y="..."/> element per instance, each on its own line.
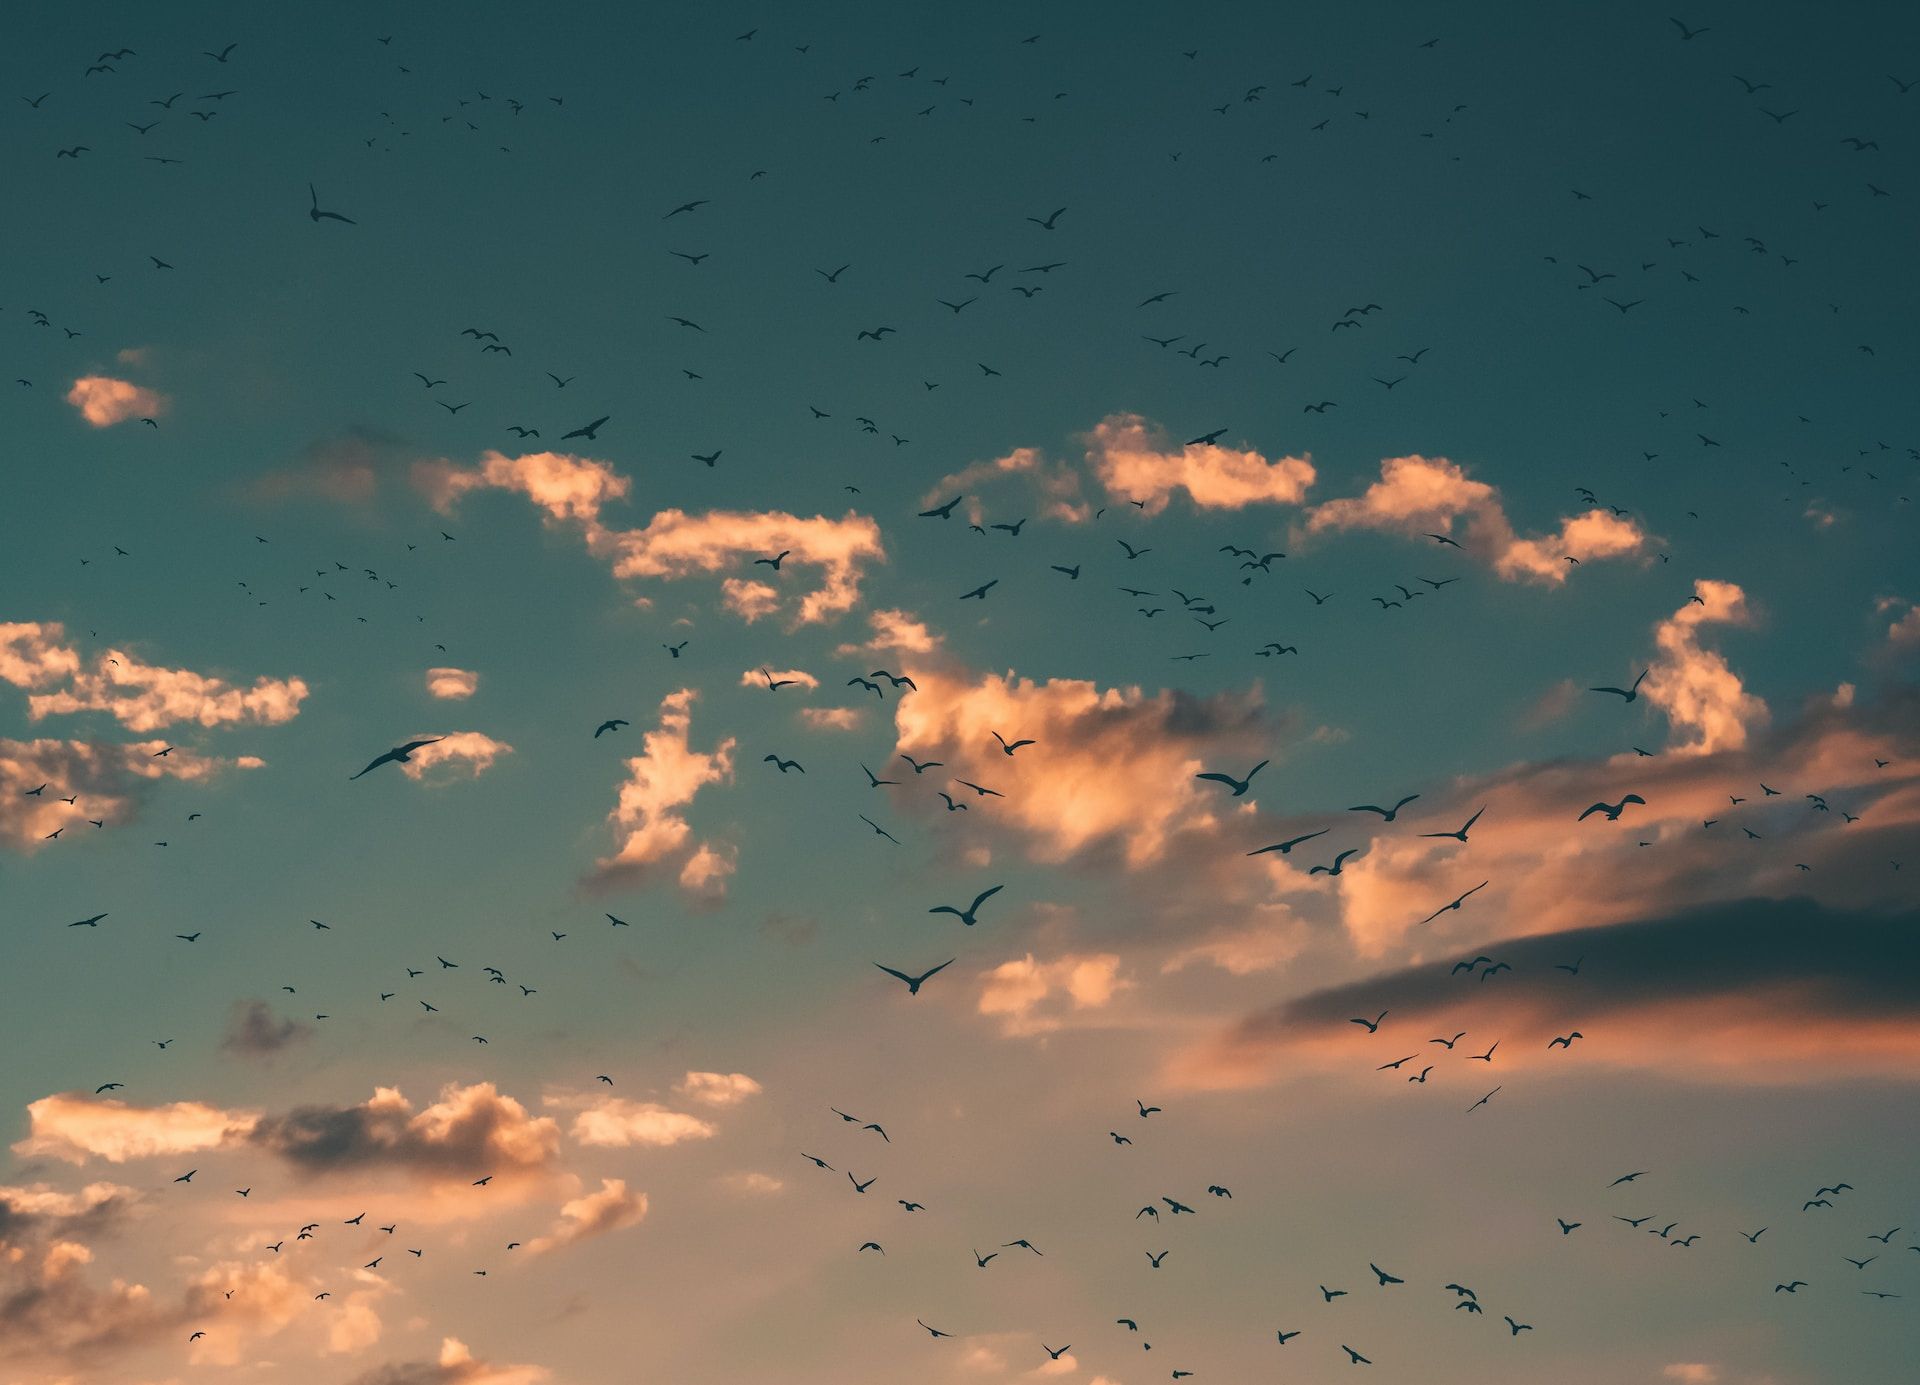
<point x="717" y="1088"/>
<point x="104" y="401"/>
<point x="350" y="468"/>
<point x="661" y="781"/>
<point x="1691" y="1372"/>
<point x="894" y="632"/>
<point x="1056" y="483"/>
<point x="832" y="718"/>
<point x="107" y="782"/>
<point x="452" y="684"/>
<point x="40" y="1211"/>
<point x="1702" y="697"/>
<point x="675" y="544"/>
<point x="1138" y="460"/>
<point x="471" y="750"/>
<point x="470" y="1132"/>
<point x="140" y="696"/>
<point x="254" y="1031"/>
<point x="757" y="677"/>
<point x="455" y="1365"/>
<point x="1732" y="992"/>
<point x="613" y="1208"/>
<point x="1108" y="768"/>
<point x="1416" y="496"/>
<point x="75" y="1127"/>
<point x="1904" y="633"/>
<point x="1032" y="997"/>
<point x="616" y="1123"/>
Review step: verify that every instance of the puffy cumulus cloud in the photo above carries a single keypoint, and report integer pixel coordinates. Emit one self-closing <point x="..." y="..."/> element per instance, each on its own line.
<point x="1056" y="484"/>
<point x="612" y="1208"/>
<point x="350" y="468"/>
<point x="140" y="696"/>
<point x="1903" y="634"/>
<point x="1417" y="496"/>
<point x="706" y="872"/>
<point x="452" y="684"/>
<point x="893" y="632"/>
<point x="1034" y="997"/>
<point x="33" y="655"/>
<point x="832" y="718"/>
<point x="75" y="1127"/>
<point x="107" y="782"/>
<point x="1138" y="460"/>
<point x="1728" y="993"/>
<point x="254" y="1031"/>
<point x="674" y="544"/>
<point x="471" y="751"/>
<point x="761" y="677"/>
<point x="52" y="1311"/>
<point x="455" y="1365"/>
<point x="1108" y="768"/>
<point x="1701" y="695"/>
<point x="40" y="1211"/>
<point x="570" y="489"/>
<point x="717" y="1088"/>
<point x="661" y="781"/>
<point x="616" y="1123"/>
<point x="104" y="401"/>
<point x="470" y="1132"/>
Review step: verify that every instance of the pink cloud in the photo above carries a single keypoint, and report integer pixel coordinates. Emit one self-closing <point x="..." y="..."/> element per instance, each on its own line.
<point x="1416" y="496"/>
<point x="472" y="751"/>
<point x="74" y="1127"/>
<point x="452" y="684"/>
<point x="140" y="696"/>
<point x="104" y="401"/>
<point x="108" y="783"/>
<point x="1702" y="697"/>
<point x="675" y="544"/>
<point x="617" y="1123"/>
<point x="717" y="1088"/>
<point x="1138" y="460"/>
<point x="661" y="781"/>
<point x="1111" y="767"/>
<point x="832" y="718"/>
<point x="894" y="632"/>
<point x="1057" y="484"/>
<point x="612" y="1208"/>
<point x="1035" y="997"/>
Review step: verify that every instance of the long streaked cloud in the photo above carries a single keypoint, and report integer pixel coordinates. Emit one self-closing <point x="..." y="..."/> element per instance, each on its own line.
<point x="1758" y="990"/>
<point x="455" y="1365"/>
<point x="470" y="1132"/>
<point x="675" y="544"/>
<point x="1416" y="496"/>
<point x="661" y="781"/>
<point x="74" y="1127"/>
<point x="104" y="401"/>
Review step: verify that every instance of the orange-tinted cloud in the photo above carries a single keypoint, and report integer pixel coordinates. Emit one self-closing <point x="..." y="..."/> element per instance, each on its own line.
<point x="1731" y="992"/>
<point x="472" y="751"/>
<point x="1057" y="485"/>
<point x="107" y="782"/>
<point x="1108" y="768"/>
<point x="612" y="1208"/>
<point x="717" y="1088"/>
<point x="104" y="401"/>
<point x="75" y="1127"/>
<point x="661" y="781"/>
<point x="140" y="696"/>
<point x="1701" y="695"/>
<point x="617" y="1123"/>
<point x="1035" y="997"/>
<point x="469" y="1132"/>
<point x="452" y="684"/>
<point x="1138" y="460"/>
<point x="1416" y="496"/>
<point x="455" y="1365"/>
<point x="675" y="544"/>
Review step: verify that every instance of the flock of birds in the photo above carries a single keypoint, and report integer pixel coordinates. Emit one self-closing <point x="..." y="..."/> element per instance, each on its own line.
<point x="85" y="121"/>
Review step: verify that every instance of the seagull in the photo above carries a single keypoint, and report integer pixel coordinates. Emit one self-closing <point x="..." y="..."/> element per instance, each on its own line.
<point x="400" y="754"/>
<point x="1627" y="694"/>
<point x="1386" y="814"/>
<point x="1239" y="786"/>
<point x="967" y="916"/>
<point x="1286" y="847"/>
<point x="914" y="983"/>
<point x="1612" y="810"/>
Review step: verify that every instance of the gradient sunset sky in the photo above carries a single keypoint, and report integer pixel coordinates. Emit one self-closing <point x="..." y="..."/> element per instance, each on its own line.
<point x="1507" y="409"/>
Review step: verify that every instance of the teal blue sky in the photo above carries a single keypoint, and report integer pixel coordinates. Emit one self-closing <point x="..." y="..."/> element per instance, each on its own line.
<point x="1624" y="315"/>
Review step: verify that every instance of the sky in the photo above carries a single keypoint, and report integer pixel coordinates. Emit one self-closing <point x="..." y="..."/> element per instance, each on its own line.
<point x="1070" y="693"/>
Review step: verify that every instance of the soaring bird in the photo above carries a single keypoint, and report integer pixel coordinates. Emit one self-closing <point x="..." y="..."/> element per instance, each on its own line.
<point x="400" y="754"/>
<point x="966" y="916"/>
<point x="1612" y="810"/>
<point x="1239" y="786"/>
<point x="1628" y="694"/>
